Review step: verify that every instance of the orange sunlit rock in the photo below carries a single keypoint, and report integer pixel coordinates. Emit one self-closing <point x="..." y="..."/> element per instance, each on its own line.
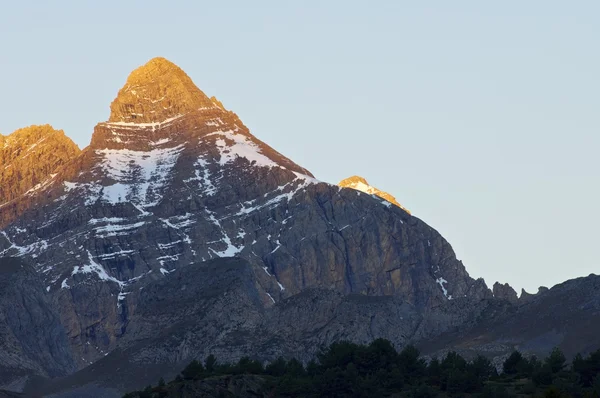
<point x="29" y="157"/>
<point x="157" y="91"/>
<point x="360" y="184"/>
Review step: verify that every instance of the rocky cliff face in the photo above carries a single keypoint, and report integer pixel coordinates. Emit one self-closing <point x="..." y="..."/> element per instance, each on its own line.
<point x="33" y="341"/>
<point x="360" y="184"/>
<point x="174" y="179"/>
<point x="215" y="307"/>
<point x="505" y="292"/>
<point x="28" y="159"/>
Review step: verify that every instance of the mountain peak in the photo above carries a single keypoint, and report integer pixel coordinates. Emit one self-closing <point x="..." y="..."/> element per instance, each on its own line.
<point x="354" y="180"/>
<point x="33" y="135"/>
<point x="361" y="184"/>
<point x="29" y="156"/>
<point x="157" y="91"/>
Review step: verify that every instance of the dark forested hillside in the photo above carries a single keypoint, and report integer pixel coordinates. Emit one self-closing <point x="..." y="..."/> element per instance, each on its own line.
<point x="345" y="369"/>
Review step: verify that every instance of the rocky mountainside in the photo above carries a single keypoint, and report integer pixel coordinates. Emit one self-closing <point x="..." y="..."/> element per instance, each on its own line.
<point x="28" y="159"/>
<point x="130" y="242"/>
<point x="565" y="316"/>
<point x="174" y="179"/>
<point x="33" y="339"/>
<point x="360" y="184"/>
<point x="214" y="307"/>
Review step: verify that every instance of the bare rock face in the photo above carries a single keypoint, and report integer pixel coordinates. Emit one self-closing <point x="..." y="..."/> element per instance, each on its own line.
<point x="360" y="184"/>
<point x="505" y="292"/>
<point x="29" y="157"/>
<point x="155" y="92"/>
<point x="32" y="339"/>
<point x="215" y="307"/>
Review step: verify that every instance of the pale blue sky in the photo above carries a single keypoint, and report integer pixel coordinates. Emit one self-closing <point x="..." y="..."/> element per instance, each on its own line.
<point x="480" y="117"/>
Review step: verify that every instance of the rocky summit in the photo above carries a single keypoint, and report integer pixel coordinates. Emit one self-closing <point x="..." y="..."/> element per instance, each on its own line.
<point x="30" y="157"/>
<point x="177" y="233"/>
<point x="360" y="184"/>
<point x="156" y="92"/>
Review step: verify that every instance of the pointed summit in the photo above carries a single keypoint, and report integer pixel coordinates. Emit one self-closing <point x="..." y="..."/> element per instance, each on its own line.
<point x="155" y="92"/>
<point x="360" y="184"/>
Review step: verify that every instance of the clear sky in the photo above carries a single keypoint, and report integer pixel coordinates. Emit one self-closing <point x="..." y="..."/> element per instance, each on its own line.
<point x="481" y="117"/>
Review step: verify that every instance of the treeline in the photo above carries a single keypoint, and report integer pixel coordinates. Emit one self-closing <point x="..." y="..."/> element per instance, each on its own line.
<point x="350" y="370"/>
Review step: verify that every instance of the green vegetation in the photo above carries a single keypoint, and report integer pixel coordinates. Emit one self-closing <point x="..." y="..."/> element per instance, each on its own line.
<point x="349" y="370"/>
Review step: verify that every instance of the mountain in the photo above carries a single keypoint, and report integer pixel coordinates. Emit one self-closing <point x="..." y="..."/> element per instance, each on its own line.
<point x="360" y="184"/>
<point x="173" y="179"/>
<point x="29" y="157"/>
<point x="177" y="233"/>
<point x="565" y="316"/>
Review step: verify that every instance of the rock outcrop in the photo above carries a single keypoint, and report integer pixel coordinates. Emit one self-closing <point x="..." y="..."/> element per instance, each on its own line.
<point x="155" y="92"/>
<point x="360" y="184"/>
<point x="565" y="316"/>
<point x="29" y="157"/>
<point x="505" y="292"/>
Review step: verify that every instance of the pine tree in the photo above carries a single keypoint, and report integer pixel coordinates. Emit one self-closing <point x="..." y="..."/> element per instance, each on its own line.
<point x="556" y="360"/>
<point x="193" y="371"/>
<point x="210" y="363"/>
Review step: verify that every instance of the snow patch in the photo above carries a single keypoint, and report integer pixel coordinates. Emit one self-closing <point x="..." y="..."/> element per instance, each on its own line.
<point x="109" y="256"/>
<point x="440" y="281"/>
<point x="163" y="246"/>
<point x="231" y="249"/>
<point x="154" y="125"/>
<point x="163" y="259"/>
<point x="160" y="142"/>
<point x="276" y="248"/>
<point x="95" y="221"/>
<point x="236" y="145"/>
<point x="117" y="230"/>
<point x="95" y="268"/>
<point x="139" y="175"/>
<point x="203" y="175"/>
<point x="298" y="184"/>
<point x="34" y="249"/>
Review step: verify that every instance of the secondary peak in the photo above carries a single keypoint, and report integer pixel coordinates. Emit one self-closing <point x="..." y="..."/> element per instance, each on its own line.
<point x="360" y="184"/>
